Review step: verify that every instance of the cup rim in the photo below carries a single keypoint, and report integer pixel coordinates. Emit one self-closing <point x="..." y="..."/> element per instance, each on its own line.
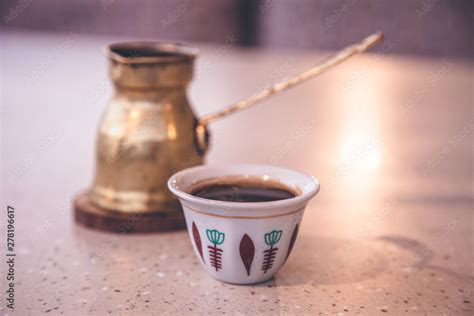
<point x="300" y="199"/>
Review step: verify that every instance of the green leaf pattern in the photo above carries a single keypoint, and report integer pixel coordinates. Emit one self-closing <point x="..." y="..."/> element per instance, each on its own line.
<point x="215" y="236"/>
<point x="273" y="237"/>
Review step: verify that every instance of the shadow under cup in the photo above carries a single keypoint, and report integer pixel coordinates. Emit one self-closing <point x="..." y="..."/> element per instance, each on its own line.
<point x="243" y="242"/>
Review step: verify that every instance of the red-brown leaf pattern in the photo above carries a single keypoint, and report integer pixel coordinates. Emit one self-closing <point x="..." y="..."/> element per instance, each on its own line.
<point x="247" y="252"/>
<point x="215" y="257"/>
<point x="269" y="258"/>
<point x="197" y="241"/>
<point x="292" y="241"/>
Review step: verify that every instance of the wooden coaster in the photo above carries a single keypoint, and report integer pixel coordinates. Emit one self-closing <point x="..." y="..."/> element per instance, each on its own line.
<point x="95" y="217"/>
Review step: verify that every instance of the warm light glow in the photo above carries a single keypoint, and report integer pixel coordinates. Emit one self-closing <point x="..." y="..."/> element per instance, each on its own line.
<point x="171" y="129"/>
<point x="134" y="114"/>
<point x="134" y="120"/>
<point x="360" y="149"/>
<point x="360" y="152"/>
<point x="359" y="157"/>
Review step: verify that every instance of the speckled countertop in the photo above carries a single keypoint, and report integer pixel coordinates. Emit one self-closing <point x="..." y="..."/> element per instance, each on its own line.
<point x="390" y="232"/>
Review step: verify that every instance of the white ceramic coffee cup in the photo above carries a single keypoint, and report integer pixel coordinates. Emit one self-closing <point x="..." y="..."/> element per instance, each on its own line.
<point x="243" y="242"/>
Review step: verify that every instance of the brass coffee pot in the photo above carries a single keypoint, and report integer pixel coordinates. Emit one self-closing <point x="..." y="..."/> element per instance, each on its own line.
<point x="149" y="131"/>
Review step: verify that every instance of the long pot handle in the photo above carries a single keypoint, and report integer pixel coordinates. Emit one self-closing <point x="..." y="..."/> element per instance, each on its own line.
<point x="333" y="60"/>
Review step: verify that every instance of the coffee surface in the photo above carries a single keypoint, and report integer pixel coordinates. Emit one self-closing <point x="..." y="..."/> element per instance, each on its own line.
<point x="243" y="190"/>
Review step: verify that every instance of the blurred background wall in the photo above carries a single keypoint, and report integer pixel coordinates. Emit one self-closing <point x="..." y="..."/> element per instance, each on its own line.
<point x="427" y="27"/>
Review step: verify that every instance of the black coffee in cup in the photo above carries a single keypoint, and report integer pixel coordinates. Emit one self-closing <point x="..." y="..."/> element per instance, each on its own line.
<point x="243" y="189"/>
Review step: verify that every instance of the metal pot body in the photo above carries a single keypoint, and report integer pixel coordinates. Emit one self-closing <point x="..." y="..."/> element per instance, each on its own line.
<point x="147" y="130"/>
